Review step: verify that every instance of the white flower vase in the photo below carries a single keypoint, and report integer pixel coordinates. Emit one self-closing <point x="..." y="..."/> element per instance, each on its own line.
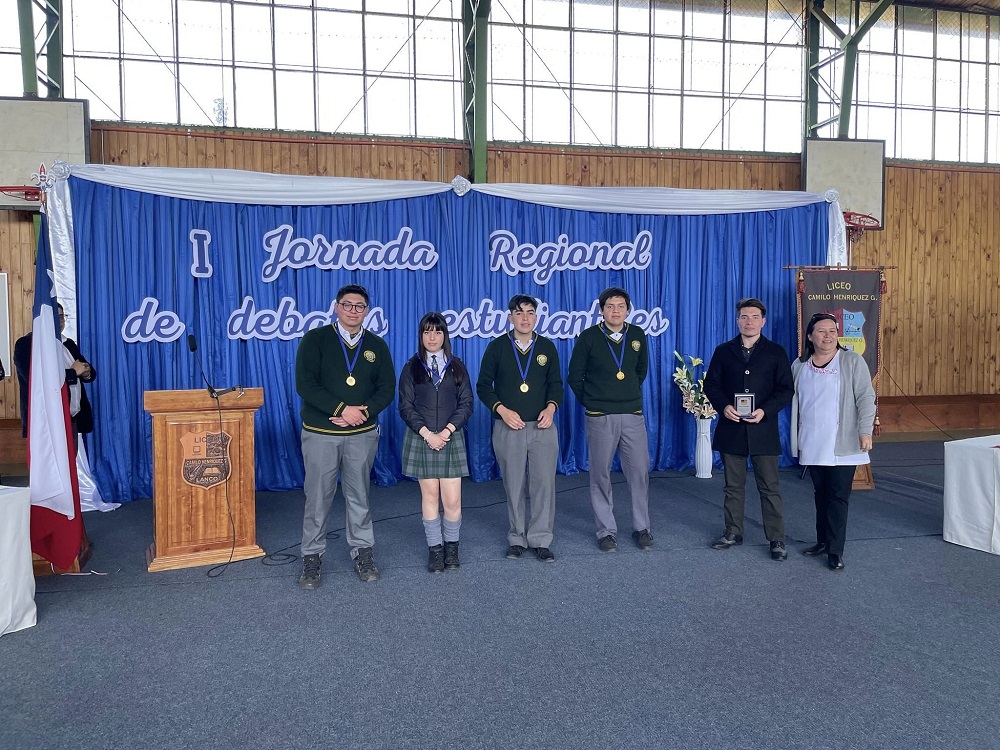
<point x="703" y="450"/>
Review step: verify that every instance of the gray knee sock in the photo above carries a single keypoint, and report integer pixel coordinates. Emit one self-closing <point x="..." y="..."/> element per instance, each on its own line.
<point x="432" y="530"/>
<point x="451" y="529"/>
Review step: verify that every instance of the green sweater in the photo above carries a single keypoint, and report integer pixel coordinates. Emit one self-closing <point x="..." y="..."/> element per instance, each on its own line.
<point x="593" y="371"/>
<point x="500" y="379"/>
<point x="321" y="379"/>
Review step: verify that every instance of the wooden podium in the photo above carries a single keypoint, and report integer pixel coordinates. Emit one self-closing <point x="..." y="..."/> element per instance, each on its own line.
<point x="193" y="465"/>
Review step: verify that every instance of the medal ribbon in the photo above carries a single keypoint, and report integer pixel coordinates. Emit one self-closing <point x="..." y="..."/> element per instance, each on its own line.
<point x="619" y="360"/>
<point x="517" y="359"/>
<point x="351" y="362"/>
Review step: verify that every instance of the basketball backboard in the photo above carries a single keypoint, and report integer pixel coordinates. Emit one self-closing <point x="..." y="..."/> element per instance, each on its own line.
<point x="855" y="168"/>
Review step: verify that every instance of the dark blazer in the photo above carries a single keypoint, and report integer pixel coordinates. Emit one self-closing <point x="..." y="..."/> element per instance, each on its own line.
<point x="22" y="363"/>
<point x="423" y="405"/>
<point x="768" y="375"/>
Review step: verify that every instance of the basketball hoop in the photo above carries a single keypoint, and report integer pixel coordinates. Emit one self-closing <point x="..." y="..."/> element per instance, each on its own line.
<point x="26" y="192"/>
<point x="857" y="224"/>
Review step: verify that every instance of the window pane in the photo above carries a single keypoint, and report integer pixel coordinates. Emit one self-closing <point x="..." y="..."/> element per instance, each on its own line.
<point x="548" y="56"/>
<point x="548" y="115"/>
<point x="507" y="113"/>
<point x="206" y="95"/>
<point x="593" y="117"/>
<point x="783" y="126"/>
<point x="703" y="66"/>
<point x="633" y="120"/>
<point x="293" y="45"/>
<point x="667" y="64"/>
<point x="98" y="81"/>
<point x="993" y="89"/>
<point x="974" y="86"/>
<point x="434" y="9"/>
<point x="10" y="78"/>
<point x="149" y="89"/>
<point x="877" y="79"/>
<point x="338" y="41"/>
<point x="390" y="106"/>
<point x="547" y="13"/>
<point x="633" y="15"/>
<point x="507" y="51"/>
<point x="704" y="20"/>
<point x="593" y="59"/>
<point x="784" y="72"/>
<point x="388" y="45"/>
<point x="96" y="30"/>
<point x="745" y="125"/>
<point x="946" y="136"/>
<point x="702" y="123"/>
<point x="949" y="41"/>
<point x="295" y="101"/>
<point x="202" y="33"/>
<point x="993" y="139"/>
<point x="148" y="28"/>
<point x="340" y="103"/>
<point x="633" y="62"/>
<point x="974" y="37"/>
<point x="882" y="36"/>
<point x="594" y="14"/>
<point x="745" y="69"/>
<point x="746" y="20"/>
<point x="916" y="31"/>
<point x="437" y="43"/>
<point x="973" y="138"/>
<point x="666" y="121"/>
<point x="782" y="26"/>
<point x="668" y="20"/>
<point x="254" y="98"/>
<point x="877" y="123"/>
<point x="436" y="104"/>
<point x="916" y="81"/>
<point x="913" y="129"/>
<point x="252" y="32"/>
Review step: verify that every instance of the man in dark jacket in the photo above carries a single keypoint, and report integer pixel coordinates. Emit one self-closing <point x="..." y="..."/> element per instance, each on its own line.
<point x="78" y="372"/>
<point x="749" y="381"/>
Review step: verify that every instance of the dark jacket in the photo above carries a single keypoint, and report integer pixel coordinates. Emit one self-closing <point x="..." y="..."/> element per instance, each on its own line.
<point x="422" y="405"/>
<point x="22" y="363"/>
<point x="768" y="375"/>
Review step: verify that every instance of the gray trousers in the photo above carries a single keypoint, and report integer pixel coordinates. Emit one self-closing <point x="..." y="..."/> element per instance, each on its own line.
<point x="627" y="434"/>
<point x="528" y="456"/>
<point x="765" y="474"/>
<point x="351" y="458"/>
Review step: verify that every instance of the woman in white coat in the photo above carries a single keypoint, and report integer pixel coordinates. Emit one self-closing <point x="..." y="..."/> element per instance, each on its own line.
<point x="833" y="411"/>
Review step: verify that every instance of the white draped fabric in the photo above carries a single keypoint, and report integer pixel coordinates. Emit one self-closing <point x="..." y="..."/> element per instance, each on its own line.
<point x="17" y="581"/>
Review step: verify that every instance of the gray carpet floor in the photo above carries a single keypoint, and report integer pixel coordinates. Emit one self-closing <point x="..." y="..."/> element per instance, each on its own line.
<point x="679" y="647"/>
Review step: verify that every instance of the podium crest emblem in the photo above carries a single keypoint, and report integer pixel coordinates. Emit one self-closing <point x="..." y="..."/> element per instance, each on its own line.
<point x="206" y="458"/>
<point x="852" y="330"/>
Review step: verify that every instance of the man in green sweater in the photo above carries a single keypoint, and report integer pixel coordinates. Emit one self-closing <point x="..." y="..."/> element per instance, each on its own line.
<point x="519" y="381"/>
<point x="345" y="377"/>
<point x="606" y="370"/>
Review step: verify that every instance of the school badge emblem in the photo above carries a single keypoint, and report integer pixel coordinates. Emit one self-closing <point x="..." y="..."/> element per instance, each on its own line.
<point x="635" y="345"/>
<point x="206" y="458"/>
<point x="369" y="355"/>
<point x="542" y="360"/>
<point x="852" y="330"/>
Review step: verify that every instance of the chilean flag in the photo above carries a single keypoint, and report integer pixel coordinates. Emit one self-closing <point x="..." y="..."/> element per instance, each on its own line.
<point x="56" y="523"/>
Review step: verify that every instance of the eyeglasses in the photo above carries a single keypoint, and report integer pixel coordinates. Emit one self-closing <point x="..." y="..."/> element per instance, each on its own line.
<point x="349" y="307"/>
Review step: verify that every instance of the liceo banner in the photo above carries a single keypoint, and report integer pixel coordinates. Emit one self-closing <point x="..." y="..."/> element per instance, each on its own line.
<point x="854" y="298"/>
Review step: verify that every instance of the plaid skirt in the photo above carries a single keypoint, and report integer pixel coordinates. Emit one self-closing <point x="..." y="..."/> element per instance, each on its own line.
<point x="420" y="462"/>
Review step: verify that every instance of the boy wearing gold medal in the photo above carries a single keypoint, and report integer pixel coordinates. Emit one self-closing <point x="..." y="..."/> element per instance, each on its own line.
<point x="606" y="371"/>
<point x="345" y="377"/>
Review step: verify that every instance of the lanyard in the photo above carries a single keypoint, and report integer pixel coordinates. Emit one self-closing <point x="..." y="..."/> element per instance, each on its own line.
<point x="351" y="362"/>
<point x="527" y="364"/>
<point x="619" y="359"/>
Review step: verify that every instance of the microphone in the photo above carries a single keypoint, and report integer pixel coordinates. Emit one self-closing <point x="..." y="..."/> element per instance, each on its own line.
<point x="193" y="346"/>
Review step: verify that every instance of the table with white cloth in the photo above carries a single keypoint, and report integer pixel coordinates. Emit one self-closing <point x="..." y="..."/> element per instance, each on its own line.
<point x="17" y="582"/>
<point x="972" y="493"/>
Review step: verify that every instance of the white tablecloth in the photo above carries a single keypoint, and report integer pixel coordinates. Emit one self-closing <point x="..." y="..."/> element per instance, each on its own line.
<point x="972" y="493"/>
<point x="17" y="583"/>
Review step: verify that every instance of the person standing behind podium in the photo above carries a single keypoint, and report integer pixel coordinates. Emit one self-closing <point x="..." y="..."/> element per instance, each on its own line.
<point x="520" y="382"/>
<point x="757" y="370"/>
<point x="435" y="402"/>
<point x="606" y="371"/>
<point x="833" y="412"/>
<point x="345" y="377"/>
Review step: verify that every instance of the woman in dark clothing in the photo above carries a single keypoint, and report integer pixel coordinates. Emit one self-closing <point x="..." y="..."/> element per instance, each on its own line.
<point x="435" y="401"/>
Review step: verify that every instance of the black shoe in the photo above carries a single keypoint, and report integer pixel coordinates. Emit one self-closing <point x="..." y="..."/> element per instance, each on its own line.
<point x="835" y="562"/>
<point x="514" y="552"/>
<point x="643" y="539"/>
<point x="435" y="558"/>
<point x="727" y="540"/>
<point x="310" y="578"/>
<point x="544" y="554"/>
<point x="816" y="550"/>
<point x="364" y="565"/>
<point x="778" y="551"/>
<point x="608" y="543"/>
<point x="451" y="555"/>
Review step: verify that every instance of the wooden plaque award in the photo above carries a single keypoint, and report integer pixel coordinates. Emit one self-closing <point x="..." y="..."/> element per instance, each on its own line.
<point x="195" y="466"/>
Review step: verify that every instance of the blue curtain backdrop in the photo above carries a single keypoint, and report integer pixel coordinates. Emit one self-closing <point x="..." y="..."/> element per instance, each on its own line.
<point x="134" y="247"/>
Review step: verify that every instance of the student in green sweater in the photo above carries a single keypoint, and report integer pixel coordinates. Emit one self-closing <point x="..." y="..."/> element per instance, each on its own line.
<point x="520" y="382"/>
<point x="345" y="377"/>
<point x="606" y="370"/>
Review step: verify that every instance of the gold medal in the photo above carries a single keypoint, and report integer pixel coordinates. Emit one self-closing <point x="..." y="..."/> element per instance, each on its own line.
<point x="524" y="387"/>
<point x="352" y="381"/>
<point x="620" y="375"/>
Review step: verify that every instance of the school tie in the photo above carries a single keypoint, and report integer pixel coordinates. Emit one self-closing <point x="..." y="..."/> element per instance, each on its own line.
<point x="435" y="371"/>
